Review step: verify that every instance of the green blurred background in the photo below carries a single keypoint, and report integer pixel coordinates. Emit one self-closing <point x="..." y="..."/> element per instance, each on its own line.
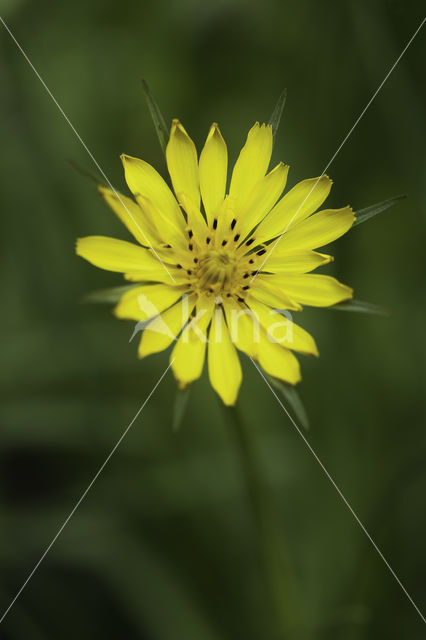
<point x="164" y="547"/>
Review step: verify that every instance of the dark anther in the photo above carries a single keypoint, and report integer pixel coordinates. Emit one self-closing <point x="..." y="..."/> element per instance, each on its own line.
<point x="251" y="261"/>
<point x="240" y="299"/>
<point x="178" y="266"/>
<point x="208" y="240"/>
<point x="224" y="242"/>
<point x="190" y="233"/>
<point x="254" y="273"/>
<point x="189" y="272"/>
<point x="249" y="242"/>
<point x="195" y="260"/>
<point x="245" y="288"/>
<point x="168" y="246"/>
<point x="190" y="247"/>
<point x="233" y="223"/>
<point x="246" y="275"/>
<point x="228" y="295"/>
<point x="261" y="252"/>
<point x="211" y="290"/>
<point x="237" y="237"/>
<point x="215" y="223"/>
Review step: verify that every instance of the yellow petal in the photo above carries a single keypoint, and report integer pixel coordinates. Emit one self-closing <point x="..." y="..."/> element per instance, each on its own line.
<point x="213" y="169"/>
<point x="293" y="261"/>
<point x="278" y="361"/>
<point x="116" y="255"/>
<point x="226" y="219"/>
<point x="182" y="162"/>
<point x="243" y="331"/>
<point x="132" y="216"/>
<point x="143" y="180"/>
<point x="312" y="289"/>
<point x="302" y="200"/>
<point x="249" y="336"/>
<point x="252" y="163"/>
<point x="262" y="199"/>
<point x="147" y="301"/>
<point x="173" y="256"/>
<point x="187" y="357"/>
<point x="197" y="225"/>
<point x="264" y="290"/>
<point x="282" y="329"/>
<point x="163" y="329"/>
<point x="172" y="232"/>
<point x="173" y="276"/>
<point x="318" y="230"/>
<point x="223" y="362"/>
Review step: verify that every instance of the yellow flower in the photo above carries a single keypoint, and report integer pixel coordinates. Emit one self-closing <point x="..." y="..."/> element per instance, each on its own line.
<point x="214" y="280"/>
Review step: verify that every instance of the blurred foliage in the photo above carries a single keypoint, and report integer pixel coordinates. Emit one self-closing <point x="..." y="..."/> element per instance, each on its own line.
<point x="164" y="547"/>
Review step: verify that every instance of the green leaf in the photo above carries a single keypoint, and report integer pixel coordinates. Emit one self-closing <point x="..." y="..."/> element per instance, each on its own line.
<point x="157" y="117"/>
<point x="107" y="296"/>
<point x="179" y="407"/>
<point x="365" y="214"/>
<point x="275" y="118"/>
<point x="293" y="399"/>
<point x="360" y="307"/>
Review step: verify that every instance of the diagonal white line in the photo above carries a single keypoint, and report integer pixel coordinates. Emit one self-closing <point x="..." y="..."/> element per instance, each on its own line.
<point x="80" y="139"/>
<point x="84" y="494"/>
<point x="306" y="441"/>
<point x="345" y="139"/>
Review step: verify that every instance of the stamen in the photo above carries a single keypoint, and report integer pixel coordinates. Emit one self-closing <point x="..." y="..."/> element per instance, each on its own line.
<point x="178" y="266"/>
<point x="208" y="240"/>
<point x="216" y="269"/>
<point x="240" y="299"/>
<point x="190" y="233"/>
<point x="189" y="272"/>
<point x="261" y="252"/>
<point x="251" y="261"/>
<point x="246" y="287"/>
<point x="249" y="242"/>
<point x="195" y="260"/>
<point x="215" y="223"/>
<point x="233" y="223"/>
<point x="190" y="247"/>
<point x="237" y="237"/>
<point x="224" y="242"/>
<point x="246" y="275"/>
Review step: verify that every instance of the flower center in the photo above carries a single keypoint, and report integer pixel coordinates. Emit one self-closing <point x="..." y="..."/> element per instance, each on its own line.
<point x="216" y="270"/>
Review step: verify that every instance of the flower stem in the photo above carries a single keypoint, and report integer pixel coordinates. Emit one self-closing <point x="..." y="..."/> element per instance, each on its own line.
<point x="279" y="579"/>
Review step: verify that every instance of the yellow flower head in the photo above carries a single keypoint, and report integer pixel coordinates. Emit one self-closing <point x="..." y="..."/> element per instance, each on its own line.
<point x="226" y="276"/>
